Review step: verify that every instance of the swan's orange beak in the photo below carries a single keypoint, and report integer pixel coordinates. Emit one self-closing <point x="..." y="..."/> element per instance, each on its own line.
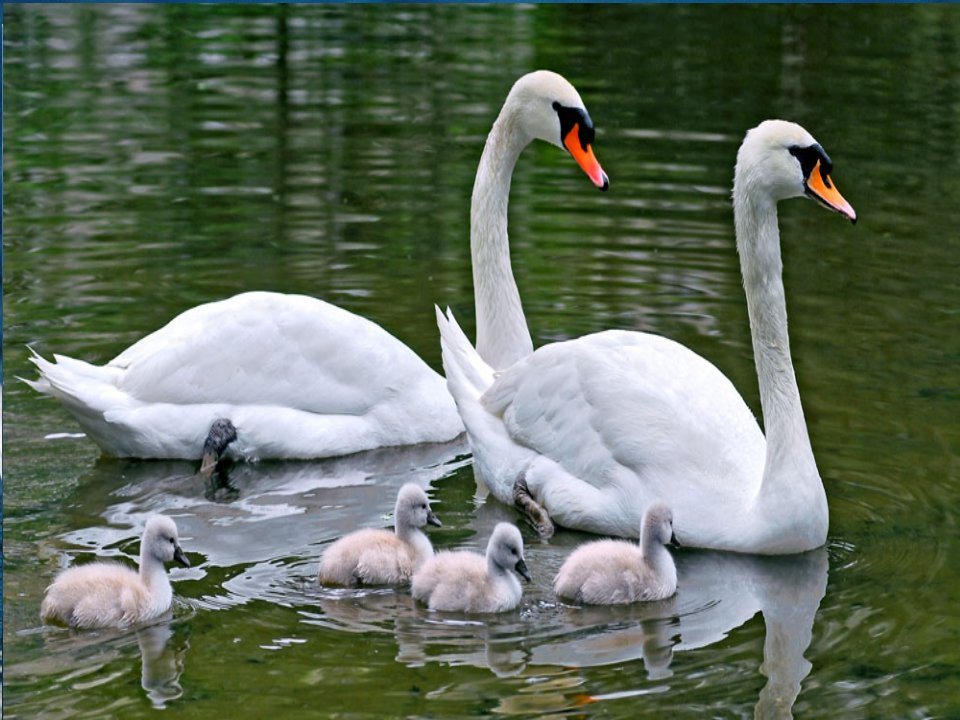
<point x="821" y="188"/>
<point x="585" y="158"/>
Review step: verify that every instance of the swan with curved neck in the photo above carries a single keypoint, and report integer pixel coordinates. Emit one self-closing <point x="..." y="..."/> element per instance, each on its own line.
<point x="541" y="105"/>
<point x="272" y="375"/>
<point x="579" y="431"/>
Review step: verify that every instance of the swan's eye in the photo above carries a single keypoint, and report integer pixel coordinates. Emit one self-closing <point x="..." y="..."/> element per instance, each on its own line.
<point x="575" y="116"/>
<point x="808" y="157"/>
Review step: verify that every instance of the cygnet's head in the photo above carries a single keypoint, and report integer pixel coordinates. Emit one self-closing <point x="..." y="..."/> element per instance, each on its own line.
<point x="785" y="161"/>
<point x="413" y="508"/>
<point x="549" y="108"/>
<point x="657" y="524"/>
<point x="161" y="541"/>
<point x="505" y="549"/>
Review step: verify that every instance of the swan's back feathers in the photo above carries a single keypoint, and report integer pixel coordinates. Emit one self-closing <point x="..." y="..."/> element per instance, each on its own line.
<point x="222" y="352"/>
<point x="553" y="401"/>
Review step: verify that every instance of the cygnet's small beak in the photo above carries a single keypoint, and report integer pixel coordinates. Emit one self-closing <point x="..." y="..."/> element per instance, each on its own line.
<point x="674" y="541"/>
<point x="180" y="557"/>
<point x="521" y="567"/>
<point x="432" y="519"/>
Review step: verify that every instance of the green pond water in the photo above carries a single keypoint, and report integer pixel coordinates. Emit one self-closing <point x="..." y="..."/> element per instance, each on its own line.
<point x="158" y="157"/>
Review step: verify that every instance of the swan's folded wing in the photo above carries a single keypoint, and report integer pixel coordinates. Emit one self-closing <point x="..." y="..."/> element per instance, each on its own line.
<point x="621" y="401"/>
<point x="269" y="349"/>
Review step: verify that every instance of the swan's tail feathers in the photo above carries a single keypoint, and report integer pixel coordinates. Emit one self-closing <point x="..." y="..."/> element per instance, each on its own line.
<point x="83" y="388"/>
<point x="41" y="384"/>
<point x="468" y="376"/>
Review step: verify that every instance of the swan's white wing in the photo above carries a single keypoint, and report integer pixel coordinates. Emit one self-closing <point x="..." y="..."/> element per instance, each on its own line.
<point x="630" y="411"/>
<point x="264" y="348"/>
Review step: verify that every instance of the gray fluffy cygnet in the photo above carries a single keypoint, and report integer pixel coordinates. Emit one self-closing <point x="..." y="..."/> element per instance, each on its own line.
<point x="616" y="572"/>
<point x="468" y="582"/>
<point x="373" y="556"/>
<point x="108" y="594"/>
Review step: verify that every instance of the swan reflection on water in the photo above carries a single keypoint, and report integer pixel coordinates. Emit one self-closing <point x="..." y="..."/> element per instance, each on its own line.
<point x="285" y="513"/>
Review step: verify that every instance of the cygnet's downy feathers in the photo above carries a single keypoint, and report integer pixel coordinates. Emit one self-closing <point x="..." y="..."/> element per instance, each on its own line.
<point x="467" y="582"/>
<point x="108" y="594"/>
<point x="616" y="572"/>
<point x="372" y="556"/>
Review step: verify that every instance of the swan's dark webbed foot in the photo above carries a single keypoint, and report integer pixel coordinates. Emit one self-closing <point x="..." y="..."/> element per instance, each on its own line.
<point x="535" y="513"/>
<point x="222" y="433"/>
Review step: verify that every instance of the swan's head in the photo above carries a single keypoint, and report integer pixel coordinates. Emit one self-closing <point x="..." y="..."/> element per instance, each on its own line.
<point x="657" y="525"/>
<point x="160" y="540"/>
<point x="413" y="508"/>
<point x="550" y="109"/>
<point x="505" y="549"/>
<point x="786" y="161"/>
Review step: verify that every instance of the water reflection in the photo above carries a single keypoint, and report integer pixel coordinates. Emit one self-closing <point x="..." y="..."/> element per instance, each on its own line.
<point x="87" y="659"/>
<point x="274" y="517"/>
<point x="161" y="664"/>
<point x="718" y="592"/>
<point x="269" y="538"/>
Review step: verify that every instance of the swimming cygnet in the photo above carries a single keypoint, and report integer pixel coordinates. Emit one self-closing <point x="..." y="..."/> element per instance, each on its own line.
<point x="617" y="572"/>
<point x="108" y="594"/>
<point x="467" y="582"/>
<point x="373" y="556"/>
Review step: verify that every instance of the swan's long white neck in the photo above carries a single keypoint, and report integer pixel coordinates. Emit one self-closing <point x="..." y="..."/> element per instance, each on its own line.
<point x="502" y="334"/>
<point x="791" y="482"/>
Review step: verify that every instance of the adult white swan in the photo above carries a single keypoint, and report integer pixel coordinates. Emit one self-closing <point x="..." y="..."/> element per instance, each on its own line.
<point x="594" y="430"/>
<point x="290" y="376"/>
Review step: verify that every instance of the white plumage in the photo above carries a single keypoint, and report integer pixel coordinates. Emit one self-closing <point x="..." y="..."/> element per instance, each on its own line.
<point x="297" y="376"/>
<point x="108" y="594"/>
<point x="602" y="426"/>
<point x="463" y="581"/>
<point x="617" y="572"/>
<point x="373" y="556"/>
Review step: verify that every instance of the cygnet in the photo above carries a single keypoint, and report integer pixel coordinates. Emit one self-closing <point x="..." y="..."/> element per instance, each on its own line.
<point x="373" y="556"/>
<point x="468" y="582"/>
<point x="617" y="572"/>
<point x="109" y="594"/>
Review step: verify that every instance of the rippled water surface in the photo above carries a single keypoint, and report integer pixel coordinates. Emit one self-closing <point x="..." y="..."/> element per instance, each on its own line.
<point x="157" y="157"/>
